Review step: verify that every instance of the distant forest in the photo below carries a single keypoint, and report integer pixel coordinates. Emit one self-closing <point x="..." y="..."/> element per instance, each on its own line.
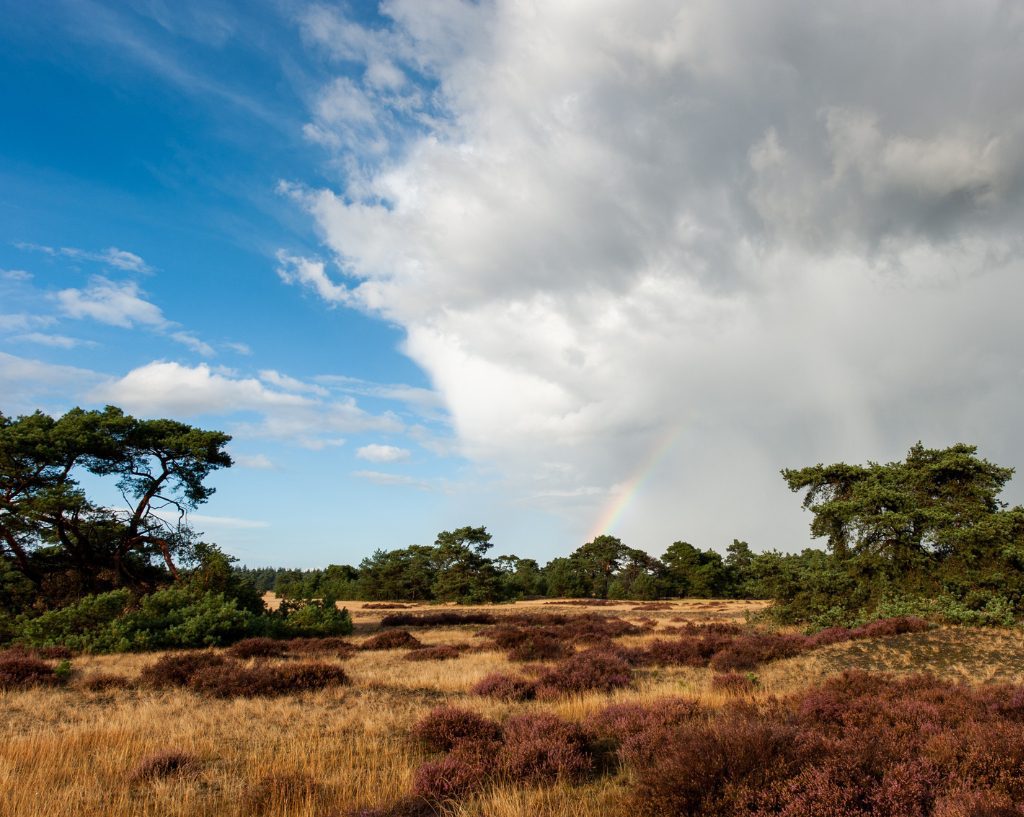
<point x="927" y="536"/>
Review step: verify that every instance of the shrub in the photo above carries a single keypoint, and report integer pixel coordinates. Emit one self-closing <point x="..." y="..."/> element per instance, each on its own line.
<point x="19" y="671"/>
<point x="177" y="669"/>
<point x="332" y="645"/>
<point x="635" y="730"/>
<point x="310" y="619"/>
<point x="102" y="682"/>
<point x="466" y="768"/>
<point x="258" y="648"/>
<point x="593" y="670"/>
<point x="262" y="680"/>
<point x="505" y="687"/>
<point x="386" y="605"/>
<point x="885" y="627"/>
<point x="443" y="619"/>
<point x="393" y="640"/>
<point x="539" y="647"/>
<point x="541" y="748"/>
<point x="445" y="727"/>
<point x="747" y="652"/>
<point x="403" y="807"/>
<point x="84" y="625"/>
<point x="164" y="764"/>
<point x="441" y="652"/>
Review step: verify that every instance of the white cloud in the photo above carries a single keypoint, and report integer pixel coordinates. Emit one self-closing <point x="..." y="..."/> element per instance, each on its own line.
<point x="164" y="388"/>
<point x="25" y="382"/>
<point x="375" y="452"/>
<point x="20" y="321"/>
<point x="115" y="303"/>
<point x="192" y="342"/>
<point x="719" y="224"/>
<point x="226" y="522"/>
<point x="258" y="462"/>
<point x="110" y="257"/>
<point x="16" y="275"/>
<point x="57" y="341"/>
<point x="239" y="348"/>
<point x="399" y="480"/>
<point x="283" y="381"/>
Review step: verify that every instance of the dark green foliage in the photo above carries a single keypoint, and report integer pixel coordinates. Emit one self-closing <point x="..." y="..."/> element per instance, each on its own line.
<point x="309" y="619"/>
<point x="65" y="544"/>
<point x="926" y="535"/>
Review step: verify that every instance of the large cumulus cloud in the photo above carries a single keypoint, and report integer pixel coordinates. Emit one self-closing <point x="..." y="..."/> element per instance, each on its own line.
<point x="702" y="239"/>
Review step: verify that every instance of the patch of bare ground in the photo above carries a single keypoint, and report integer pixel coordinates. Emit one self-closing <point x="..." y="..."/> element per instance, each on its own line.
<point x="77" y="749"/>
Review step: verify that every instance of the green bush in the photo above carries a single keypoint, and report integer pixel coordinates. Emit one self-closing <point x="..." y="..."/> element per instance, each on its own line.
<point x="176" y="616"/>
<point x="309" y="619"/>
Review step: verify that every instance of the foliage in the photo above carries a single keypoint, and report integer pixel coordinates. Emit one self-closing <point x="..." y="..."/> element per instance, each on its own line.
<point x="66" y="544"/>
<point x="309" y="619"/>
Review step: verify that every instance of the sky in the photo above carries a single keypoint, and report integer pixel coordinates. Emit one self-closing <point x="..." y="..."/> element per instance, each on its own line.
<point x="557" y="268"/>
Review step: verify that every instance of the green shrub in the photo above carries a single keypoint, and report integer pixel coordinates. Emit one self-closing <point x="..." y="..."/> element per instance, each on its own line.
<point x="176" y="616"/>
<point x="309" y="619"/>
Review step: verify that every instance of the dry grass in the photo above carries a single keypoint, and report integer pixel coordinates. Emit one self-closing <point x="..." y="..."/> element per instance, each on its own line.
<point x="72" y="750"/>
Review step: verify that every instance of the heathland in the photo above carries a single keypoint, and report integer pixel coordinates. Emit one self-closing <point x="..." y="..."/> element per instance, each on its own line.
<point x="535" y="708"/>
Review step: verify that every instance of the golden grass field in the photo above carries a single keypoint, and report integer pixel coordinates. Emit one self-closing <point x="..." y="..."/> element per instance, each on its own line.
<point x="69" y="751"/>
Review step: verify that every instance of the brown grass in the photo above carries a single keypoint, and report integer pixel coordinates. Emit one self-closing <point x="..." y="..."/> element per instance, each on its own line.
<point x="327" y="753"/>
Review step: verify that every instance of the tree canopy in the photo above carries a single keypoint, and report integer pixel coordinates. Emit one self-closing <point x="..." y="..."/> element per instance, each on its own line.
<point x="54" y="536"/>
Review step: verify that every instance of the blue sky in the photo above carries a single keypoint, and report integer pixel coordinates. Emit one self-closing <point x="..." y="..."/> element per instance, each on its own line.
<point x="552" y="268"/>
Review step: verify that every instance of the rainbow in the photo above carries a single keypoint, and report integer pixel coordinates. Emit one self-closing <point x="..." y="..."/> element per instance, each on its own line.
<point x="626" y="491"/>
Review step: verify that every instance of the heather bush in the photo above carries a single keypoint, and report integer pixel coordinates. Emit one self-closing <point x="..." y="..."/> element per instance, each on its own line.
<point x="541" y="748"/>
<point x="258" y="648"/>
<point x="747" y="652"/>
<point x="20" y="671"/>
<point x="538" y="647"/>
<point x="505" y="687"/>
<point x="177" y="669"/>
<point x="441" y="619"/>
<point x="593" y="670"/>
<point x="885" y="627"/>
<point x="164" y="764"/>
<point x="634" y="731"/>
<point x="386" y="605"/>
<point x="104" y="682"/>
<point x="232" y="680"/>
<point x="447" y="726"/>
<point x="329" y="645"/>
<point x="466" y="768"/>
<point x="392" y="640"/>
<point x="440" y="652"/>
<point x="403" y="807"/>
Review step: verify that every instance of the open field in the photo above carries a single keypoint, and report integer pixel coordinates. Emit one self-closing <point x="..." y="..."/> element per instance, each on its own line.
<point x="72" y="751"/>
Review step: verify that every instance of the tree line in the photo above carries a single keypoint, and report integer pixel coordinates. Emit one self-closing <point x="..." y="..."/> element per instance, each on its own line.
<point x="928" y="535"/>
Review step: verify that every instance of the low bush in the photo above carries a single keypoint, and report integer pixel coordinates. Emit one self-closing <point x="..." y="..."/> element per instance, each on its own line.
<point x="463" y="770"/>
<point x="258" y="648"/>
<point x="232" y="680"/>
<point x="635" y="730"/>
<point x="309" y="618"/>
<point x="590" y="671"/>
<point x="177" y="669"/>
<point x="440" y="652"/>
<point x="541" y="749"/>
<point x="164" y="764"/>
<point x="442" y="619"/>
<point x="445" y="727"/>
<point x="505" y="687"/>
<point x="386" y="605"/>
<point x="403" y="807"/>
<point x="746" y="652"/>
<point x="538" y="647"/>
<point x="329" y="645"/>
<point x="20" y="671"/>
<point x="104" y="682"/>
<point x="392" y="640"/>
